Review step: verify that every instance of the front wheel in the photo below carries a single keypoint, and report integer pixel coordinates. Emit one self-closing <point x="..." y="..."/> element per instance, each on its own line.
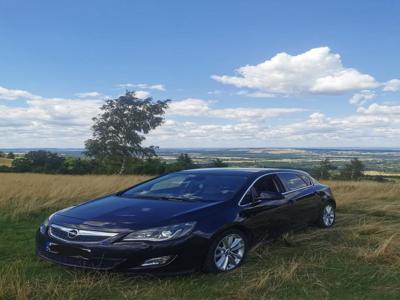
<point x="227" y="252"/>
<point x="327" y="216"/>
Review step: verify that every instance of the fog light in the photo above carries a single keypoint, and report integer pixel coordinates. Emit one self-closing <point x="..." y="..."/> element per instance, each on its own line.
<point x="156" y="261"/>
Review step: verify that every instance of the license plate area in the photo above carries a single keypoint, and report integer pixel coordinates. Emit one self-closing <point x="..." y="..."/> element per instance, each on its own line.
<point x="70" y="251"/>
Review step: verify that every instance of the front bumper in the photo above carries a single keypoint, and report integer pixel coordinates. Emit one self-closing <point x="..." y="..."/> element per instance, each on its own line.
<point x="185" y="254"/>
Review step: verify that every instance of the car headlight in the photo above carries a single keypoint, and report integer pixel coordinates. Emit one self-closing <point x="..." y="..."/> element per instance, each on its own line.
<point x="164" y="233"/>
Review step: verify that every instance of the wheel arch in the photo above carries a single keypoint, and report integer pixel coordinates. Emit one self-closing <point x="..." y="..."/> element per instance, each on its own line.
<point x="246" y="231"/>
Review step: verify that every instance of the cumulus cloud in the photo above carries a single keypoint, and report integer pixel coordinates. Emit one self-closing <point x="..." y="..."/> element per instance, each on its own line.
<point x="143" y="86"/>
<point x="60" y="122"/>
<point x="11" y="94"/>
<point x="189" y="107"/>
<point x="392" y="85"/>
<point x="46" y="122"/>
<point x="317" y="71"/>
<point x="254" y="94"/>
<point x="362" y="97"/>
<point x="247" y="114"/>
<point x="371" y="126"/>
<point x="89" y="95"/>
<point x="142" y="94"/>
<point x="199" y="107"/>
<point x="378" y="109"/>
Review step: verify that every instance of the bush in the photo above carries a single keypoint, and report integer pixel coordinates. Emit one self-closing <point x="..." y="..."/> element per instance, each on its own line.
<point x="80" y="166"/>
<point x="11" y="155"/>
<point x="218" y="163"/>
<point x="39" y="162"/>
<point x="150" y="166"/>
<point x="4" y="169"/>
<point x="353" y="170"/>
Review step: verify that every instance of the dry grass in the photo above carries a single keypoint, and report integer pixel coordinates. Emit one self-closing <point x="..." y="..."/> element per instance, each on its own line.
<point x="30" y="193"/>
<point x="357" y="259"/>
<point x="5" y="161"/>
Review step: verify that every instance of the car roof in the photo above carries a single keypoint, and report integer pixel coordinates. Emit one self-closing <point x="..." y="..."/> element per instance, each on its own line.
<point x="239" y="171"/>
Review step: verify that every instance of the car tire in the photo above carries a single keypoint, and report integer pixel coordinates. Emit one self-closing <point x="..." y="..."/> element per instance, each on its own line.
<point x="327" y="217"/>
<point x="227" y="252"/>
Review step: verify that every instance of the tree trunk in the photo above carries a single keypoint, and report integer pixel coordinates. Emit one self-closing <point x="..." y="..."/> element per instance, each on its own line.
<point x="123" y="166"/>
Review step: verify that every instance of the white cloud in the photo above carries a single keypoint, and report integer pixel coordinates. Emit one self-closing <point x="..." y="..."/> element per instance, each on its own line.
<point x="142" y="94"/>
<point x="377" y="109"/>
<point x="392" y="85"/>
<point x="144" y="86"/>
<point x="89" y="95"/>
<point x="215" y="92"/>
<point x="189" y="107"/>
<point x="53" y="122"/>
<point x="362" y="97"/>
<point x="199" y="107"/>
<point x="254" y="94"/>
<point x="317" y="71"/>
<point x="377" y="125"/>
<point x="246" y="114"/>
<point x="60" y="122"/>
<point x="11" y="94"/>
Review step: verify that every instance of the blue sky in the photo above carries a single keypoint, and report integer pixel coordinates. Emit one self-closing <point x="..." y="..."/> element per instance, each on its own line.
<point x="320" y="73"/>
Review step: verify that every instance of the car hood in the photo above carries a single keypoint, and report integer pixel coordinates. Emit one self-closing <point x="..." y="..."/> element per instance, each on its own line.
<point x="120" y="213"/>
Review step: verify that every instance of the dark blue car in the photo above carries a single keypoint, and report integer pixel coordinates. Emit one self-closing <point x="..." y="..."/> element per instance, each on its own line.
<point x="204" y="219"/>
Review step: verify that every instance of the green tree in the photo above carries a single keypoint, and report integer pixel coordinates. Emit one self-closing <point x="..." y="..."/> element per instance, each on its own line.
<point x="11" y="155"/>
<point x="80" y="166"/>
<point x="324" y="169"/>
<point x="120" y="128"/>
<point x="40" y="162"/>
<point x="183" y="162"/>
<point x="353" y="170"/>
<point x="218" y="163"/>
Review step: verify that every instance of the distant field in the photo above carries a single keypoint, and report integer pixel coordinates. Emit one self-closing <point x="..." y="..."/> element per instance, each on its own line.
<point x="377" y="173"/>
<point x="357" y="259"/>
<point x="5" y="162"/>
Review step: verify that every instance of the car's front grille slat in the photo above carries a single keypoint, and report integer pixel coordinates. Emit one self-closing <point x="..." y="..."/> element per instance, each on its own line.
<point x="75" y="235"/>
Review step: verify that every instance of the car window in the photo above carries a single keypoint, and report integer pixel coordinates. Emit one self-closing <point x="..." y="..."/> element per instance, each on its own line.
<point x="306" y="179"/>
<point x="172" y="182"/>
<point x="292" y="181"/>
<point x="265" y="184"/>
<point x="207" y="187"/>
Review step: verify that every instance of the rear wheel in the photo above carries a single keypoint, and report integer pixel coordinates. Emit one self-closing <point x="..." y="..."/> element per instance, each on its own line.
<point x="327" y="216"/>
<point x="227" y="252"/>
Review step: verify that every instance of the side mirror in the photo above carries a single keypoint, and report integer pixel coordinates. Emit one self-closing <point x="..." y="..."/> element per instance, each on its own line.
<point x="270" y="196"/>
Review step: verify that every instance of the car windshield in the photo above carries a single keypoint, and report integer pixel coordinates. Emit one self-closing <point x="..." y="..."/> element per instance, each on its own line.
<point x="189" y="186"/>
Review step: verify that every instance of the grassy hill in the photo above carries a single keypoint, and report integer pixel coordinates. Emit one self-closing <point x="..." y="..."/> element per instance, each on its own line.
<point x="357" y="259"/>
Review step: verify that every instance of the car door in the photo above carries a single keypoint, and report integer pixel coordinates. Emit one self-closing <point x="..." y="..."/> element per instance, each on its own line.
<point x="267" y="219"/>
<point x="302" y="194"/>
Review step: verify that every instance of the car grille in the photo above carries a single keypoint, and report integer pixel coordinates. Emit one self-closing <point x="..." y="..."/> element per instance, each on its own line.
<point x="79" y="236"/>
<point x="93" y="263"/>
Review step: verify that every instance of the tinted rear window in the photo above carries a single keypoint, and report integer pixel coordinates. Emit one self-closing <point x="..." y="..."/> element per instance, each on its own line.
<point x="292" y="181"/>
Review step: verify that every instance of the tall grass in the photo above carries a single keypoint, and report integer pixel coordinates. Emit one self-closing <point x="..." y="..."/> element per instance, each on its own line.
<point x="21" y="194"/>
<point x="359" y="258"/>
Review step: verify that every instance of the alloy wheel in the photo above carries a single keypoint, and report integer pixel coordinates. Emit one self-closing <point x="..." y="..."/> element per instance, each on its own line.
<point x="229" y="252"/>
<point x="328" y="215"/>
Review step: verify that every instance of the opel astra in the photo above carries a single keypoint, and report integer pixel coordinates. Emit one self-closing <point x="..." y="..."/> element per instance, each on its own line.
<point x="202" y="219"/>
